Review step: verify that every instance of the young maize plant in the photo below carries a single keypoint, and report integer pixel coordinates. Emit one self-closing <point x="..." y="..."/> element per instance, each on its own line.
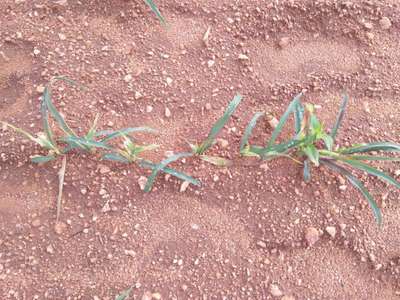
<point x="155" y="10"/>
<point x="312" y="145"/>
<point x="211" y="138"/>
<point x="130" y="152"/>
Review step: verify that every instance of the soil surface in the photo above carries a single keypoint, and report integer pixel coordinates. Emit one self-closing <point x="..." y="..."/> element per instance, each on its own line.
<point x="241" y="235"/>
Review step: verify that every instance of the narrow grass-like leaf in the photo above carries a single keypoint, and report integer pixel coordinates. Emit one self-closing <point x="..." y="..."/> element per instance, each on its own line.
<point x="111" y="134"/>
<point x="85" y="142"/>
<point x="298" y="117"/>
<point x="328" y="141"/>
<point x="124" y="295"/>
<point x="379" y="146"/>
<point x="249" y="129"/>
<point x="217" y="161"/>
<point x="173" y="172"/>
<point x="219" y="125"/>
<point x="372" y="171"/>
<point x="61" y="175"/>
<point x="155" y="10"/>
<point x="115" y="157"/>
<point x="161" y="166"/>
<point x="340" y="116"/>
<point x="54" y="112"/>
<point x="37" y="159"/>
<point x="312" y="154"/>
<point x="92" y="130"/>
<point x="307" y="171"/>
<point x="21" y="131"/>
<point x="373" y="158"/>
<point x="291" y="108"/>
<point x="45" y="118"/>
<point x="356" y="183"/>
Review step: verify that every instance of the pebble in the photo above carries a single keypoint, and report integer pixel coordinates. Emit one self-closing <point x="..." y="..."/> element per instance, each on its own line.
<point x="104" y="169"/>
<point x="62" y="36"/>
<point x="169" y="80"/>
<point x="60" y="227"/>
<point x="36" y="51"/>
<point x="50" y="249"/>
<point x="273" y="122"/>
<point x="128" y="78"/>
<point x="147" y="296"/>
<point x="210" y="63"/>
<point x="243" y="57"/>
<point x="36" y="223"/>
<point x="156" y="296"/>
<point x="331" y="230"/>
<point x="40" y="89"/>
<point x="275" y="290"/>
<point x="167" y="112"/>
<point x="208" y="106"/>
<point x="184" y="186"/>
<point x="397" y="172"/>
<point x="283" y="42"/>
<point x="311" y="236"/>
<point x="385" y="23"/>
<point x="138" y="95"/>
<point x="262" y="244"/>
<point x="142" y="182"/>
<point x="130" y="253"/>
<point x="288" y="297"/>
<point x="149" y="108"/>
<point x="223" y="143"/>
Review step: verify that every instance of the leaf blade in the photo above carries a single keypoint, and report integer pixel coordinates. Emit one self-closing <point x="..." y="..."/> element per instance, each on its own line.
<point x="340" y="116"/>
<point x="249" y="130"/>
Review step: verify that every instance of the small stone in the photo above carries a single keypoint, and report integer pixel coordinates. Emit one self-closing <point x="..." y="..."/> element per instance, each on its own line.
<point x="385" y="23"/>
<point x="149" y="108"/>
<point x="167" y="112"/>
<point x="96" y="298"/>
<point x="84" y="191"/>
<point x="243" y="57"/>
<point x="50" y="249"/>
<point x="36" y="51"/>
<point x="128" y="78"/>
<point x="208" y="106"/>
<point x="40" y="89"/>
<point x="102" y="192"/>
<point x="142" y="182"/>
<point x="36" y="223"/>
<point x="370" y="35"/>
<point x="366" y="107"/>
<point x="331" y="230"/>
<point x="264" y="166"/>
<point x="397" y="172"/>
<point x="272" y="121"/>
<point x="130" y="253"/>
<point x="223" y="143"/>
<point x="104" y="169"/>
<point x="262" y="244"/>
<point x="368" y="25"/>
<point x="156" y="296"/>
<point x="311" y="236"/>
<point x="62" y="36"/>
<point x="169" y="81"/>
<point x="284" y="42"/>
<point x="288" y="297"/>
<point x="138" y="95"/>
<point x="275" y="290"/>
<point x="60" y="227"/>
<point x="147" y="296"/>
<point x="210" y="63"/>
<point x="343" y="187"/>
<point x="184" y="186"/>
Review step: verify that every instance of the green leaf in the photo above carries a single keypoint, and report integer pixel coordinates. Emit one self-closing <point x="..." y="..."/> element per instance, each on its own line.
<point x="298" y="117"/>
<point x="155" y="10"/>
<point x="110" y="134"/>
<point x="307" y="171"/>
<point x="328" y="141"/>
<point x="124" y="295"/>
<point x="370" y="170"/>
<point x="92" y="130"/>
<point x="55" y="114"/>
<point x="209" y="141"/>
<point x="291" y="108"/>
<point x="217" y="161"/>
<point x="161" y="166"/>
<point x="249" y="129"/>
<point x="356" y="183"/>
<point x="37" y="159"/>
<point x="85" y="142"/>
<point x="173" y="172"/>
<point x="340" y="116"/>
<point x="312" y="153"/>
<point x="45" y="118"/>
<point x="373" y="158"/>
<point x="115" y="157"/>
<point x="378" y="146"/>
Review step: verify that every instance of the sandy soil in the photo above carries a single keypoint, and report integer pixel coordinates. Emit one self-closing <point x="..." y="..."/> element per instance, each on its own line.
<point x="242" y="234"/>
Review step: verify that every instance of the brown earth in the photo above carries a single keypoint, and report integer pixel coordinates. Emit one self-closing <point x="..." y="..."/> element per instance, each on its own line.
<point x="242" y="234"/>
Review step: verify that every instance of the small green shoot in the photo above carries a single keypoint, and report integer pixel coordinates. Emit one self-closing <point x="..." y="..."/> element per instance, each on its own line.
<point x="211" y="138"/>
<point x="312" y="145"/>
<point x="155" y="10"/>
<point x="124" y="295"/>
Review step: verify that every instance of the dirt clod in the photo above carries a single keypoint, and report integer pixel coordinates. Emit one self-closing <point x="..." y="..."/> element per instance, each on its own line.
<point x="312" y="236"/>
